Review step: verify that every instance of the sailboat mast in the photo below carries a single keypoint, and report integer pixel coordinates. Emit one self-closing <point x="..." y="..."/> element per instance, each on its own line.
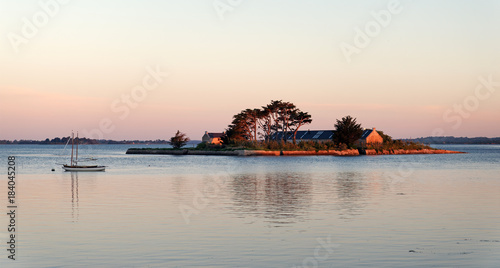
<point x="72" y="145"/>
<point x="77" y="141"/>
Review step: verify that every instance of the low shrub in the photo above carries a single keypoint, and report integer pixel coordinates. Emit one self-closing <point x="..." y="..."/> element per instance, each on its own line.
<point x="398" y="145"/>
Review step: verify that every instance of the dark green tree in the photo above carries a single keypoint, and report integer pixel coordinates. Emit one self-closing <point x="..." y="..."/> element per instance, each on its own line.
<point x="386" y="138"/>
<point x="284" y="120"/>
<point x="287" y="118"/>
<point x="244" y="124"/>
<point x="233" y="135"/>
<point x="252" y="117"/>
<point x="179" y="140"/>
<point x="299" y="119"/>
<point x="267" y="117"/>
<point x="347" y="131"/>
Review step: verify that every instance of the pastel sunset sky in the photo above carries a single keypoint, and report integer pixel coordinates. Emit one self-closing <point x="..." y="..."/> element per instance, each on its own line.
<point x="409" y="68"/>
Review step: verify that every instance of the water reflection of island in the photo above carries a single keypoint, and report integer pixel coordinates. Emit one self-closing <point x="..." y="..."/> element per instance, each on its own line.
<point x="284" y="198"/>
<point x="281" y="198"/>
<point x="351" y="192"/>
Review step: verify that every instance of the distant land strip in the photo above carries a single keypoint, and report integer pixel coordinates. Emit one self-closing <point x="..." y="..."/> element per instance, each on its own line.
<point x="351" y="152"/>
<point x="455" y="140"/>
<point x="63" y="141"/>
<point x="424" y="140"/>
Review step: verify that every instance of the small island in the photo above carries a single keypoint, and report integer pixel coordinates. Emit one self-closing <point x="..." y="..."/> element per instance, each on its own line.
<point x="274" y="130"/>
<point x="246" y="152"/>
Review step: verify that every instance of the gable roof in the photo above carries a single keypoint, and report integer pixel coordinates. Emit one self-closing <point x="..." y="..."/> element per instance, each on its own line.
<point x="315" y="135"/>
<point x="215" y="134"/>
<point x="366" y="133"/>
<point x="306" y="135"/>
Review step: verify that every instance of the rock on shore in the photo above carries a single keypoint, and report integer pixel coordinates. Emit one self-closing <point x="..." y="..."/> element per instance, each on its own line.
<point x="401" y="151"/>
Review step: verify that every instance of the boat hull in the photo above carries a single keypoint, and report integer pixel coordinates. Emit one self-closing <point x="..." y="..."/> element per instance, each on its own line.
<point x="84" y="168"/>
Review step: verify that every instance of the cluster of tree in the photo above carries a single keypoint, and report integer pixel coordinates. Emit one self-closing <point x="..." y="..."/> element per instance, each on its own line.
<point x="266" y="122"/>
<point x="277" y="120"/>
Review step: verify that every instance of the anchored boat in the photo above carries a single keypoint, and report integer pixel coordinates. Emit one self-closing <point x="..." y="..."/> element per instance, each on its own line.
<point x="74" y="166"/>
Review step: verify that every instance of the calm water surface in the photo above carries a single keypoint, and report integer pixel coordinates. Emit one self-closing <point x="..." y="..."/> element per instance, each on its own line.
<point x="188" y="211"/>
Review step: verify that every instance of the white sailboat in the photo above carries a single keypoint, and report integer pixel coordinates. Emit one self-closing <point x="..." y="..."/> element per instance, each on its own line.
<point x="74" y="160"/>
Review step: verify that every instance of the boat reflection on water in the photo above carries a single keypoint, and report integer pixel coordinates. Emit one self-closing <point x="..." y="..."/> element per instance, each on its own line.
<point x="74" y="197"/>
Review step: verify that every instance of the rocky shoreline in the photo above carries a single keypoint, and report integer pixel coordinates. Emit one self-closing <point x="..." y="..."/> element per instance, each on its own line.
<point x="352" y="152"/>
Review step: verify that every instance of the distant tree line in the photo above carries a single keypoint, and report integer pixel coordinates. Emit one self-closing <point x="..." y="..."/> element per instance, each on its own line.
<point x="456" y="140"/>
<point x="64" y="140"/>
